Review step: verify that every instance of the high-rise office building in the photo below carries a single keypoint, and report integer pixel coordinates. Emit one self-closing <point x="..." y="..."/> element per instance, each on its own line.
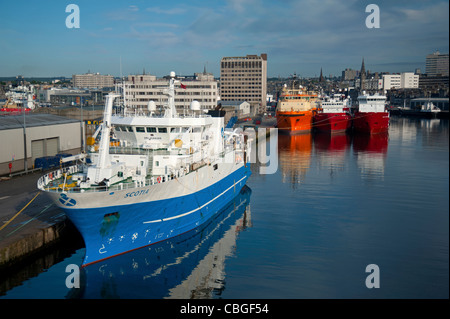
<point x="244" y="79"/>
<point x="437" y="64"/>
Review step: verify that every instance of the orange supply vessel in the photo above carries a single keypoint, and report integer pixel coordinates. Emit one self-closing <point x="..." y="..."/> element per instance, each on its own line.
<point x="295" y="109"/>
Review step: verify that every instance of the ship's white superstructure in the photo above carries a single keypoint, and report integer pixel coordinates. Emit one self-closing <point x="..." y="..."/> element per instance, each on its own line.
<point x="335" y="104"/>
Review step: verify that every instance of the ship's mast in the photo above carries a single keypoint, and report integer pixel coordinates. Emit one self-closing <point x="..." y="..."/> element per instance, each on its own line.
<point x="103" y="160"/>
<point x="171" y="110"/>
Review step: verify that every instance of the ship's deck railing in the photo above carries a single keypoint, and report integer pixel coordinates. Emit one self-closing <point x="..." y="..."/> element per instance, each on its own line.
<point x="142" y="112"/>
<point x="58" y="175"/>
<point x="63" y="187"/>
<point x="44" y="180"/>
<point x="131" y="150"/>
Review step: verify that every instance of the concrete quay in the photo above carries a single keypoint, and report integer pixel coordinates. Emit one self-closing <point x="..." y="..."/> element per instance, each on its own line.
<point x="29" y="222"/>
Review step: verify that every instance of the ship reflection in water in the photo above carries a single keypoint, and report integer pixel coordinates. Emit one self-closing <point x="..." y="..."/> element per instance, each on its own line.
<point x="331" y="152"/>
<point x="191" y="265"/>
<point x="294" y="157"/>
<point x="370" y="152"/>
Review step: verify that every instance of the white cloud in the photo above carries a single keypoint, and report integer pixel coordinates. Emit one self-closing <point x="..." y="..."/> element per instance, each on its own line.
<point x="157" y="39"/>
<point x="171" y="11"/>
<point x="128" y="14"/>
<point x="133" y="8"/>
<point x="292" y="31"/>
<point x="156" y="25"/>
<point x="237" y="6"/>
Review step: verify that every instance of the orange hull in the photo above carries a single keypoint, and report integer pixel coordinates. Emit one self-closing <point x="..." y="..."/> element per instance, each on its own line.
<point x="295" y="122"/>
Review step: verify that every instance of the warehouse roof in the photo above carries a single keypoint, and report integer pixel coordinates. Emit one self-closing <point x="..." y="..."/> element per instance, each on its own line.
<point x="8" y="122"/>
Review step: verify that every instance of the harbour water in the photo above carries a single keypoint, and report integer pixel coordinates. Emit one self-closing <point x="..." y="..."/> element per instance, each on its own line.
<point x="335" y="205"/>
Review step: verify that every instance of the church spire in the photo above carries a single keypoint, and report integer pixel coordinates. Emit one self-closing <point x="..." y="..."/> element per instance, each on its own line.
<point x="321" y="79"/>
<point x="362" y="76"/>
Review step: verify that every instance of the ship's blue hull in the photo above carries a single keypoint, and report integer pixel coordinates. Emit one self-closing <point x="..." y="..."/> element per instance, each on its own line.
<point x="114" y="230"/>
<point x="179" y="267"/>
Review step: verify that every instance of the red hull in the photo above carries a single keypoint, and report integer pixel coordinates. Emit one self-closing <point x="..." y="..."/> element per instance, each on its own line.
<point x="294" y="122"/>
<point x="13" y="109"/>
<point x="332" y="122"/>
<point x="371" y="122"/>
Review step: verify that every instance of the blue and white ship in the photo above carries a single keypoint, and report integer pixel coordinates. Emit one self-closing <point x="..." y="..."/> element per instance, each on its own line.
<point x="169" y="174"/>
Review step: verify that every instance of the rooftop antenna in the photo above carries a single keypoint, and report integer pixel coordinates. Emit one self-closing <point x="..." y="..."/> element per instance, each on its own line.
<point x="123" y="86"/>
<point x="121" y="67"/>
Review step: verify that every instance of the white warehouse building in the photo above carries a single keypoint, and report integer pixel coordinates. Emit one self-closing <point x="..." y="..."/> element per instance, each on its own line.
<point x="46" y="135"/>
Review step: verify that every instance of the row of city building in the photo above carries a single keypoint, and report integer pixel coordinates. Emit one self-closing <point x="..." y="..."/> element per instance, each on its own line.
<point x="245" y="79"/>
<point x="241" y="79"/>
<point x="404" y="80"/>
<point x="435" y="78"/>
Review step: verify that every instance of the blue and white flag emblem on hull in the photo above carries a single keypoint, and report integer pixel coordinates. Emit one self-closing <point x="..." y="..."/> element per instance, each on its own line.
<point x="67" y="201"/>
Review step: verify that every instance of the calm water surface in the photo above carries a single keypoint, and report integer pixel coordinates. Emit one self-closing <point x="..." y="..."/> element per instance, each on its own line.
<point x="335" y="205"/>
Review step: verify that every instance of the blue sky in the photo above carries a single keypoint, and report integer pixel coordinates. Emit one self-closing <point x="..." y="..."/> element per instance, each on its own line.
<point x="298" y="35"/>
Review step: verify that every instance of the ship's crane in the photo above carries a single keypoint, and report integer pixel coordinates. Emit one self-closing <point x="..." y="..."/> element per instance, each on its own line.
<point x="9" y="104"/>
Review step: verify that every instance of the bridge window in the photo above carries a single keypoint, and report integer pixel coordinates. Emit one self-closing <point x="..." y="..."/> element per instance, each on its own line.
<point x="140" y="129"/>
<point x="162" y="130"/>
<point x="151" y="129"/>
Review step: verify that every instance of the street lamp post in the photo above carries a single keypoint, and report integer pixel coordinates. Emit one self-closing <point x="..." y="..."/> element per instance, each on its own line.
<point x="25" y="163"/>
<point x="82" y="125"/>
